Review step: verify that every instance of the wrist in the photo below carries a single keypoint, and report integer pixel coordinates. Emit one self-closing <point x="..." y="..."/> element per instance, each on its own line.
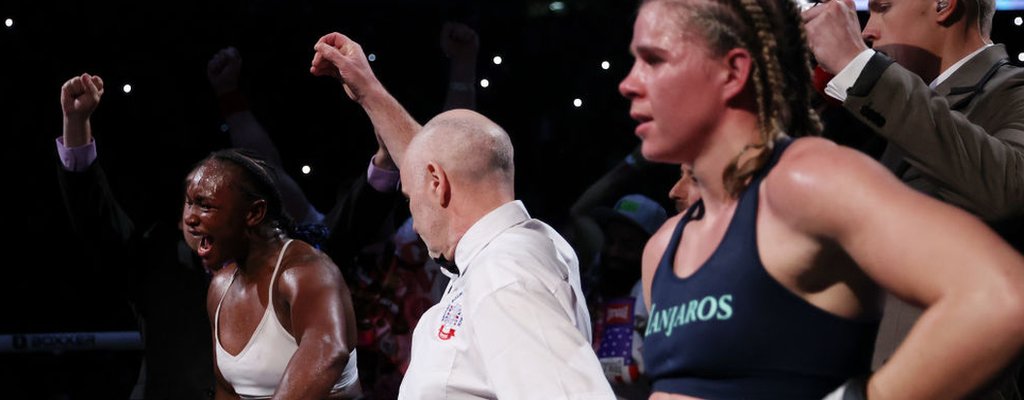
<point x="76" y="134"/>
<point x="467" y="58"/>
<point x="372" y="95"/>
<point x="75" y="119"/>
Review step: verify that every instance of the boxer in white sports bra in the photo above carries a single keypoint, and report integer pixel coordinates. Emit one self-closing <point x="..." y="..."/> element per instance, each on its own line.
<point x="283" y="322"/>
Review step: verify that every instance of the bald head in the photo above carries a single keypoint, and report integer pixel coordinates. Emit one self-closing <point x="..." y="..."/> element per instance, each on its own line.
<point x="471" y="148"/>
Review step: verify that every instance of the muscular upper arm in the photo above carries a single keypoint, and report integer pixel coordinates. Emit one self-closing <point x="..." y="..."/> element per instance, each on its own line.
<point x="318" y="299"/>
<point x="914" y="246"/>
<point x="653" y="252"/>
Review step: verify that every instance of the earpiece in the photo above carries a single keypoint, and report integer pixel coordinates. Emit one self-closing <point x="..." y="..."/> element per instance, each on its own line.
<point x="941" y="5"/>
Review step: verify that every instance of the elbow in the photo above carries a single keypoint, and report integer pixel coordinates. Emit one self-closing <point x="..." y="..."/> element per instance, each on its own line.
<point x="1009" y="300"/>
<point x="336" y="356"/>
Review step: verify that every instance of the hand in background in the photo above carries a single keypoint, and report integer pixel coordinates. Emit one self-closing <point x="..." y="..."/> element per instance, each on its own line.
<point x="79" y="98"/>
<point x="224" y="69"/>
<point x="459" y="42"/>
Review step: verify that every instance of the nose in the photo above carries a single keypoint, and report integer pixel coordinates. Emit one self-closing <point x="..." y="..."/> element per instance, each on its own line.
<point x="188" y="217"/>
<point x="871" y="32"/>
<point x="630" y="86"/>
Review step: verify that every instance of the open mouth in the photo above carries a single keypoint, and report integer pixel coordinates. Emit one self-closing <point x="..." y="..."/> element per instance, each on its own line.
<point x="205" y="245"/>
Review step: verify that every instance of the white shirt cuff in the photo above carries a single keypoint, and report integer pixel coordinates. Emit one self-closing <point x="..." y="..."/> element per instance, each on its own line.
<point x="845" y="79"/>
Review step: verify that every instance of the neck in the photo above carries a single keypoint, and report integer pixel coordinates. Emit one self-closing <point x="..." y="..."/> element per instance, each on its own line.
<point x="960" y="41"/>
<point x="468" y="207"/>
<point x="262" y="254"/>
<point x="738" y="129"/>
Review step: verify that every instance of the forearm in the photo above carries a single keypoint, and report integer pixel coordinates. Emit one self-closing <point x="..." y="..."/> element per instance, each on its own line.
<point x="620" y="180"/>
<point x="953" y="350"/>
<point x="390" y="120"/>
<point x="295" y="201"/>
<point x="313" y="370"/>
<point x="246" y="132"/>
<point x="461" y="85"/>
<point x="357" y="216"/>
<point x="222" y="390"/>
<point x="77" y="131"/>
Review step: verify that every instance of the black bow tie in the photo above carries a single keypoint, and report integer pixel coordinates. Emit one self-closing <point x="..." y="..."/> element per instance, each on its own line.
<point x="448" y="265"/>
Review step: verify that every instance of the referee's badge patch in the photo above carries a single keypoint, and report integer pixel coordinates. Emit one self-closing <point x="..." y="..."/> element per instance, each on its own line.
<point x="451" y="318"/>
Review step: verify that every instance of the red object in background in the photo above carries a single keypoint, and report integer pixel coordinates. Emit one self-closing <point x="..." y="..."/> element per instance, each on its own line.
<point x="821" y="78"/>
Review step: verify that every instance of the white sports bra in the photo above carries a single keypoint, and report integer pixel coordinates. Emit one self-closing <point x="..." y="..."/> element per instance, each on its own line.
<point x="256" y="371"/>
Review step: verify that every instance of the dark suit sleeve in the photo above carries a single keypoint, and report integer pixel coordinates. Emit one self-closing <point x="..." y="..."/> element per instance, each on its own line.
<point x="357" y="219"/>
<point x="96" y="216"/>
<point x="977" y="164"/>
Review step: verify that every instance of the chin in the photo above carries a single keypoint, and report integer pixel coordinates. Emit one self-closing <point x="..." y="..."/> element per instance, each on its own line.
<point x="651" y="153"/>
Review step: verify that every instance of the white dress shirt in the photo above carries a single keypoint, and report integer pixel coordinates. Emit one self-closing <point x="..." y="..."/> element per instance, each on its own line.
<point x="844" y="80"/>
<point x="512" y="324"/>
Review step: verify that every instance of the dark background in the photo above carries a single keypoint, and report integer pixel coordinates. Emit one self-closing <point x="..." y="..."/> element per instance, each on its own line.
<point x="148" y="138"/>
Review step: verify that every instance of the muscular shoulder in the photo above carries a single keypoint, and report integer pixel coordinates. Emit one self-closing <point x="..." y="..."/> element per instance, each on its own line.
<point x="303" y="265"/>
<point x="817" y="182"/>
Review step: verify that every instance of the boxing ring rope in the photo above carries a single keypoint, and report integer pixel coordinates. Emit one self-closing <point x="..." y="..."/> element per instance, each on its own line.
<point x="70" y="341"/>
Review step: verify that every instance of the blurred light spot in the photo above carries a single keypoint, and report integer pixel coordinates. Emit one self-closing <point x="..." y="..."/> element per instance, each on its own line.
<point x="372" y="57"/>
<point x="605" y="65"/>
<point x="127" y="88"/>
<point x="497" y="60"/>
<point x="225" y="127"/>
<point x="577" y="102"/>
<point x="10" y="22"/>
<point x="556" y="6"/>
<point x="1020" y="56"/>
<point x="306" y="169"/>
<point x="485" y="83"/>
<point x="1016" y="21"/>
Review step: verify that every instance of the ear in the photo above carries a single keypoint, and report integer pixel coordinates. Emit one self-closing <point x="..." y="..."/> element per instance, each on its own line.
<point x="257" y="212"/>
<point x="738" y="65"/>
<point x="438" y="185"/>
<point x="945" y="11"/>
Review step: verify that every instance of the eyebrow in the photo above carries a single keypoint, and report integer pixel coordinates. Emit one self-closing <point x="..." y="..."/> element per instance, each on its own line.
<point x="647" y="49"/>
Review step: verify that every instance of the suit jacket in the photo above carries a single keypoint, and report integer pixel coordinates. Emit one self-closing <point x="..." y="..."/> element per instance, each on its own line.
<point x="361" y="216"/>
<point x="962" y="143"/>
<point x="165" y="284"/>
